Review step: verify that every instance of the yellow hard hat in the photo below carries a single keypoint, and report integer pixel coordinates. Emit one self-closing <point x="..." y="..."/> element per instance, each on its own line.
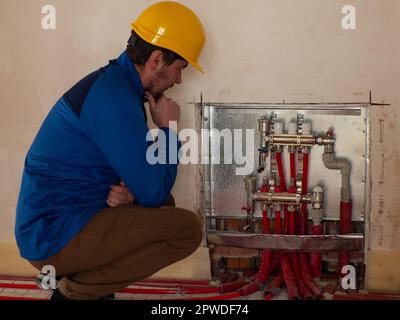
<point x="173" y="26"/>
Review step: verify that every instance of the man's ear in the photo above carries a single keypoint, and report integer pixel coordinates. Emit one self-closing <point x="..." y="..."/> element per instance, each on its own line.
<point x="156" y="60"/>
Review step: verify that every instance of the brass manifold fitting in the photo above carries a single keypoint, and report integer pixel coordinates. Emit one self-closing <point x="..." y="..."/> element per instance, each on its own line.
<point x="299" y="140"/>
<point x="281" y="198"/>
<point x="269" y="198"/>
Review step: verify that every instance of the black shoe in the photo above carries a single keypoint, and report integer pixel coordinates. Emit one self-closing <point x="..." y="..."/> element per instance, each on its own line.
<point x="57" y="295"/>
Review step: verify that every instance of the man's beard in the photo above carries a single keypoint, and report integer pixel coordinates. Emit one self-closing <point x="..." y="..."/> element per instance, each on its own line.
<point x="161" y="75"/>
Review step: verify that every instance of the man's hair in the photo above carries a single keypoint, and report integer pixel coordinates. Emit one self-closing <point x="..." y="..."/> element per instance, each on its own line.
<point x="139" y="51"/>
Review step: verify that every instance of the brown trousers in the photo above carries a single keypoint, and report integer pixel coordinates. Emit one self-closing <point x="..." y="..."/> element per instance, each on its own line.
<point x="120" y="246"/>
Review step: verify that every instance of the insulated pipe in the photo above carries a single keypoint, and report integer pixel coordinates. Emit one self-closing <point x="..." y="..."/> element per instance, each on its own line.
<point x="292" y="189"/>
<point x="279" y="162"/>
<point x="287" y="272"/>
<point x="317" y="229"/>
<point x="305" y="269"/>
<point x="315" y="257"/>
<point x="285" y="219"/>
<point x="344" y="166"/>
<point x="303" y="289"/>
<point x="344" y="228"/>
<point x="317" y="202"/>
<point x="292" y="168"/>
<point x="271" y="289"/>
<point x="292" y="220"/>
<point x="229" y="296"/>
<point x="288" y="277"/>
<point x="266" y="257"/>
<point x="304" y="186"/>
<point x="280" y="170"/>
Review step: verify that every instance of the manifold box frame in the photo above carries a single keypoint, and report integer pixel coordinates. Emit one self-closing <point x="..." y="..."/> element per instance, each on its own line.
<point x="221" y="192"/>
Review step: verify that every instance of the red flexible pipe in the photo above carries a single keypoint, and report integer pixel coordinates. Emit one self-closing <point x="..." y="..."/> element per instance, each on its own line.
<point x="304" y="260"/>
<point x="265" y="267"/>
<point x="304" y="185"/>
<point x="19" y="286"/>
<point x="250" y="288"/>
<point x="266" y="227"/>
<point x="293" y="166"/>
<point x="292" y="216"/>
<point x="266" y="258"/>
<point x="344" y="228"/>
<point x="285" y="219"/>
<point x="278" y="222"/>
<point x="286" y="268"/>
<point x="4" y="298"/>
<point x="288" y="277"/>
<point x="232" y="286"/>
<point x="304" y="291"/>
<point x="230" y="296"/>
<point x="280" y="170"/>
<point x="292" y="223"/>
<point x="270" y="289"/>
<point x="306" y="272"/>
<point x="316" y="256"/>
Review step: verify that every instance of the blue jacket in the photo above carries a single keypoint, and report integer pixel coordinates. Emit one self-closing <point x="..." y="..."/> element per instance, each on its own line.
<point x="93" y="137"/>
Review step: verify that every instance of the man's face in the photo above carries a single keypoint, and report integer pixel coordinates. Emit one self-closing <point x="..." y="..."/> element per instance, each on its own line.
<point x="166" y="77"/>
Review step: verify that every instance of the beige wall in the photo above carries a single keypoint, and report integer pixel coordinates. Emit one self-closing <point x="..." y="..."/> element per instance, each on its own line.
<point x="257" y="51"/>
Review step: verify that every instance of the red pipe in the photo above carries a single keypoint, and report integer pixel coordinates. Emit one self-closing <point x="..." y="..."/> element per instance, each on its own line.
<point x="4" y="298"/>
<point x="304" y="291"/>
<point x="266" y="258"/>
<point x="270" y="289"/>
<point x="344" y="228"/>
<point x="250" y="288"/>
<point x="285" y="219"/>
<point x="292" y="223"/>
<point x="230" y="296"/>
<point x="304" y="182"/>
<point x="280" y="170"/>
<point x="19" y="286"/>
<point x="232" y="286"/>
<point x="287" y="272"/>
<point x="304" y="186"/>
<point x="316" y="256"/>
<point x="306" y="271"/>
<point x="266" y="227"/>
<point x="293" y="166"/>
<point x="292" y="215"/>
<point x="278" y="222"/>
<point x="288" y="277"/>
<point x="304" y="260"/>
<point x="265" y="267"/>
